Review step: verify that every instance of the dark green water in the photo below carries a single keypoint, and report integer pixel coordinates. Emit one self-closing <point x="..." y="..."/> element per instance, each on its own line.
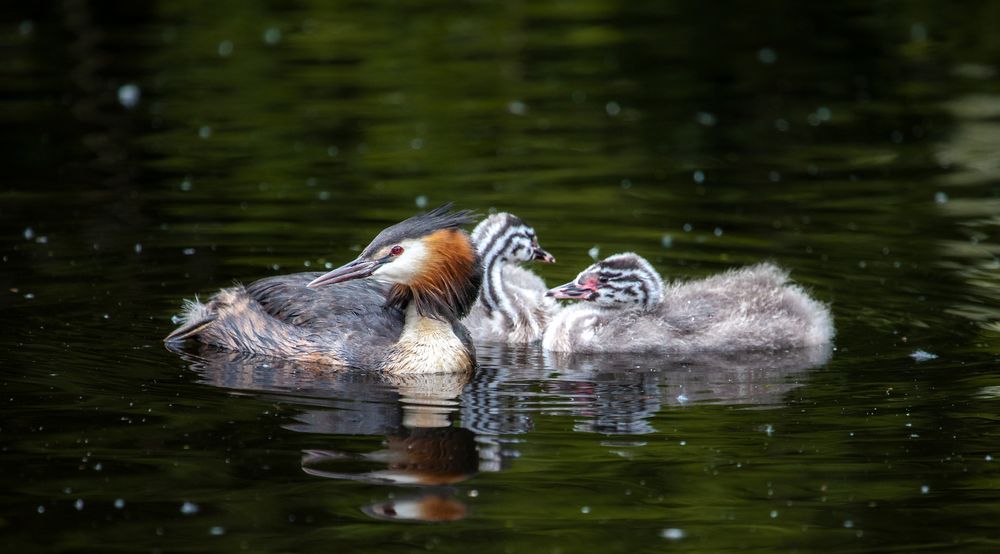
<point x="854" y="144"/>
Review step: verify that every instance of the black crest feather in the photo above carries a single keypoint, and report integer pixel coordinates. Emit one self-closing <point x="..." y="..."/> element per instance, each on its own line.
<point x="421" y="225"/>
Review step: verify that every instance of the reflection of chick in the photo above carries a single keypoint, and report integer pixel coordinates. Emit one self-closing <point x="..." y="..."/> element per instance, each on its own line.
<point x="439" y="456"/>
<point x="628" y="308"/>
<point x="425" y="508"/>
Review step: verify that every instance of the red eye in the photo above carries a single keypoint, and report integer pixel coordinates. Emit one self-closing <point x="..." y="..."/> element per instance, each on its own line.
<point x="396" y="250"/>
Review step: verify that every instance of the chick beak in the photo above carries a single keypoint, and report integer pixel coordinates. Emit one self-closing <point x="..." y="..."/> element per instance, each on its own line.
<point x="573" y="291"/>
<point x="543" y="256"/>
<point x="358" y="269"/>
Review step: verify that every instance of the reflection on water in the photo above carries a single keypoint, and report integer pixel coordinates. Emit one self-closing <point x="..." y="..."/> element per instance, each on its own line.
<point x="442" y="429"/>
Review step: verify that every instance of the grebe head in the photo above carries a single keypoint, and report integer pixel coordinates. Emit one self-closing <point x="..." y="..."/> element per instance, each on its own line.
<point x="619" y="281"/>
<point x="506" y="237"/>
<point x="428" y="258"/>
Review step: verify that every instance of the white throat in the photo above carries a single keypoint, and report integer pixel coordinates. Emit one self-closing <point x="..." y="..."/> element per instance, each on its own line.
<point x="428" y="345"/>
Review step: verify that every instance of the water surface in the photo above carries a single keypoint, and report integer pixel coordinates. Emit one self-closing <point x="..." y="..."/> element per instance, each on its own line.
<point x="153" y="151"/>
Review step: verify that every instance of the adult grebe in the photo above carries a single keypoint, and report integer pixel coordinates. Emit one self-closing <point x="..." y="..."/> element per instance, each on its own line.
<point x="420" y="277"/>
<point x="627" y="308"/>
<point x="512" y="306"/>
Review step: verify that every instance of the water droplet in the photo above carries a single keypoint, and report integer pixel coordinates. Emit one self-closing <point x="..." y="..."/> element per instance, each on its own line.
<point x="26" y="27"/>
<point x="848" y="524"/>
<point x="225" y="48"/>
<point x="922" y="355"/>
<point x="332" y="151"/>
<point x="417" y="143"/>
<point x="717" y="232"/>
<point x="29" y="233"/>
<point x="189" y="251"/>
<point x="672" y="533"/>
<point x="138" y="248"/>
<point x="204" y="131"/>
<point x="774" y="514"/>
<point x="217" y="531"/>
<point x="517" y="107"/>
<point x="128" y="95"/>
<point x="78" y="504"/>
<point x="585" y="510"/>
<point x="189" y="508"/>
<point x="767" y="56"/>
<point x="272" y="35"/>
<point x="613" y="108"/>
<point x="119" y="503"/>
<point x="40" y="509"/>
<point x="667" y="241"/>
<point x="705" y="118"/>
<point x="594" y="252"/>
<point x="688" y="227"/>
<point x="940" y="197"/>
<point x="698" y="176"/>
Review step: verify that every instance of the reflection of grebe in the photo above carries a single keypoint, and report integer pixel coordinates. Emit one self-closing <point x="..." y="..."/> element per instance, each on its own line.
<point x="439" y="456"/>
<point x="512" y="306"/>
<point x="431" y="507"/>
<point x="421" y="276"/>
<point x="628" y="309"/>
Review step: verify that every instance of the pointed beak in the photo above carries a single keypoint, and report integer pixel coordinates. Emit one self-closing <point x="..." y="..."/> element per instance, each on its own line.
<point x="358" y="269"/>
<point x="573" y="291"/>
<point x="543" y="256"/>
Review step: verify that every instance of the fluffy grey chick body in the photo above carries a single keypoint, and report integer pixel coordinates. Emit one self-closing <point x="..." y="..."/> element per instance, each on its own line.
<point x="628" y="308"/>
<point x="512" y="307"/>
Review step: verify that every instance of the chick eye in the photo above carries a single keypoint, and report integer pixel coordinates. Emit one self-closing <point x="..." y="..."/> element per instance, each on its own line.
<point x="396" y="250"/>
<point x="602" y="280"/>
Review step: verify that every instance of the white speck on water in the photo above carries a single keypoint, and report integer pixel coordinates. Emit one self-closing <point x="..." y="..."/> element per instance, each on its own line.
<point x="918" y="32"/>
<point x="706" y="118"/>
<point x="923" y="355"/>
<point x="421" y="201"/>
<point x="517" y="107"/>
<point x="225" y="48"/>
<point x="328" y="265"/>
<point x="275" y="267"/>
<point x="667" y="241"/>
<point x="78" y="504"/>
<point x="594" y="252"/>
<point x="137" y="248"/>
<point x="204" y="131"/>
<point x="774" y="514"/>
<point x="119" y="503"/>
<point x="940" y="198"/>
<point x="683" y="443"/>
<point x="717" y="232"/>
<point x="585" y="509"/>
<point x="189" y="251"/>
<point x="189" y="508"/>
<point x="26" y="27"/>
<point x="473" y="493"/>
<point x="29" y="233"/>
<point x="848" y="524"/>
<point x="924" y="489"/>
<point x="332" y="151"/>
<point x="272" y="35"/>
<point x="688" y="227"/>
<point x="186" y="185"/>
<point x="781" y="124"/>
<point x="307" y="263"/>
<point x="323" y="195"/>
<point x="682" y="398"/>
<point x="40" y="509"/>
<point x="217" y="531"/>
<point x="773" y="176"/>
<point x="672" y="533"/>
<point x="769" y="430"/>
<point x="767" y="56"/>
<point x="626" y="184"/>
<point x="989" y="458"/>
<point x="98" y="466"/>
<point x="129" y="95"/>
<point x="613" y="108"/>
<point x="417" y="143"/>
<point x="29" y="296"/>
<point x="698" y="176"/>
<point x="42" y="239"/>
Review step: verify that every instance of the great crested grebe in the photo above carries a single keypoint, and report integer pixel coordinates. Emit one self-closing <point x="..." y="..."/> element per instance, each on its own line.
<point x="627" y="308"/>
<point x="420" y="277"/>
<point x="512" y="306"/>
